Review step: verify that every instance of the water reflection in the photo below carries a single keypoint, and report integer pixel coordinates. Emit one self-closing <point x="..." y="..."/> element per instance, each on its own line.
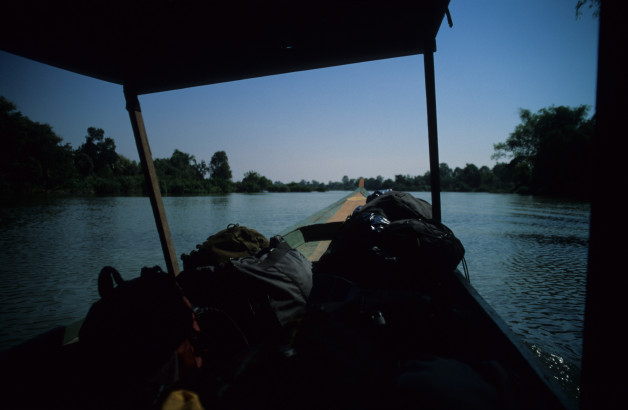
<point x="53" y="249"/>
<point x="527" y="258"/>
<point x="562" y="240"/>
<point x="567" y="375"/>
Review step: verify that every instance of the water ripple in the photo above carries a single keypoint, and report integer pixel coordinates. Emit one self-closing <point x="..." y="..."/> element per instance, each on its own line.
<point x="526" y="255"/>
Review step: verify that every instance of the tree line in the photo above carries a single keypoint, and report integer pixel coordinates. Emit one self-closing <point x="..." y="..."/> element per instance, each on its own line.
<point x="548" y="153"/>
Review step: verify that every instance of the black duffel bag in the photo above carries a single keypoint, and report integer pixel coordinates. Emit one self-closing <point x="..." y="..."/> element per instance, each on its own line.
<point x="427" y="243"/>
<point x="393" y="242"/>
<point x="399" y="205"/>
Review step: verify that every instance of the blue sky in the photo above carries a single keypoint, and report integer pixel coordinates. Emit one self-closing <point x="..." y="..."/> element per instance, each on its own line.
<point x="364" y="119"/>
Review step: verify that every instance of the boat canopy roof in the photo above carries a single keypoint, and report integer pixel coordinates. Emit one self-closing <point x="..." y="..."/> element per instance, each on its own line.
<point x="151" y="46"/>
<point x="160" y="45"/>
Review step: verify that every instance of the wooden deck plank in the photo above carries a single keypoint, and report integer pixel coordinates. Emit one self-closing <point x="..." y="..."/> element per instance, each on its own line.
<point x="314" y="250"/>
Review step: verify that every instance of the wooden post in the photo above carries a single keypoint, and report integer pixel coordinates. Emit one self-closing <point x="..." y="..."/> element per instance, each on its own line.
<point x="432" y="132"/>
<point x="150" y="176"/>
<point x="604" y="360"/>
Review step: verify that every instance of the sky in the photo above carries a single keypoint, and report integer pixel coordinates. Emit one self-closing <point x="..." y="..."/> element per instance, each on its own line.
<point x="364" y="119"/>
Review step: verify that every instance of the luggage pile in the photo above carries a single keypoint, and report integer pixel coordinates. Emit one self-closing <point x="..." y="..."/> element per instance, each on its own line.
<point x="251" y="323"/>
<point x="393" y="242"/>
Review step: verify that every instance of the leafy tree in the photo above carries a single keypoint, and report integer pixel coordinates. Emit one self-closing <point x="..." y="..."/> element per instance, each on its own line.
<point x="373" y="184"/>
<point x="594" y="5"/>
<point x="278" y="186"/>
<point x="129" y="176"/>
<point x="180" y="174"/>
<point x="97" y="155"/>
<point x="187" y="166"/>
<point x="503" y="179"/>
<point x="127" y="167"/>
<point x="446" y="177"/>
<point x="181" y="161"/>
<point x="254" y="182"/>
<point x="201" y="168"/>
<point x="550" y="150"/>
<point x="33" y="158"/>
<point x="345" y="182"/>
<point x="487" y="179"/>
<point x="298" y="187"/>
<point x="403" y="182"/>
<point x="83" y="163"/>
<point x="471" y="177"/>
<point x="387" y="184"/>
<point x="219" y="166"/>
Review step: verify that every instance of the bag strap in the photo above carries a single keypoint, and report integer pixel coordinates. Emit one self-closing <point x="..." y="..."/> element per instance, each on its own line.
<point x="106" y="278"/>
<point x="279" y="248"/>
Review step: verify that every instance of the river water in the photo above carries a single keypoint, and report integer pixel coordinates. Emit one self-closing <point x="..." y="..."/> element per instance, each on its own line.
<point x="526" y="255"/>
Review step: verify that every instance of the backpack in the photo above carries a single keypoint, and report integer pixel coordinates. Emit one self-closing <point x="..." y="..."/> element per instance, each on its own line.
<point x="134" y="339"/>
<point x="264" y="295"/>
<point x="429" y="243"/>
<point x="399" y="205"/>
<point x="286" y="276"/>
<point x="234" y="242"/>
<point x="392" y="242"/>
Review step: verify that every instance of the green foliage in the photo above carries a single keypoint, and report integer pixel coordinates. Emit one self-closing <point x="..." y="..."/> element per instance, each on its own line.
<point x="594" y="6"/>
<point x="374" y="184"/>
<point x="253" y="182"/>
<point x="220" y="186"/>
<point x="278" y="186"/>
<point x="33" y="158"/>
<point x="181" y="174"/>
<point x="219" y="166"/>
<point x="97" y="155"/>
<point x="550" y="151"/>
<point x="299" y="187"/>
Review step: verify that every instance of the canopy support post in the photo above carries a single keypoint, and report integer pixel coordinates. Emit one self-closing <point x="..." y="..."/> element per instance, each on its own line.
<point x="430" y="93"/>
<point x="150" y="176"/>
<point x="604" y="362"/>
